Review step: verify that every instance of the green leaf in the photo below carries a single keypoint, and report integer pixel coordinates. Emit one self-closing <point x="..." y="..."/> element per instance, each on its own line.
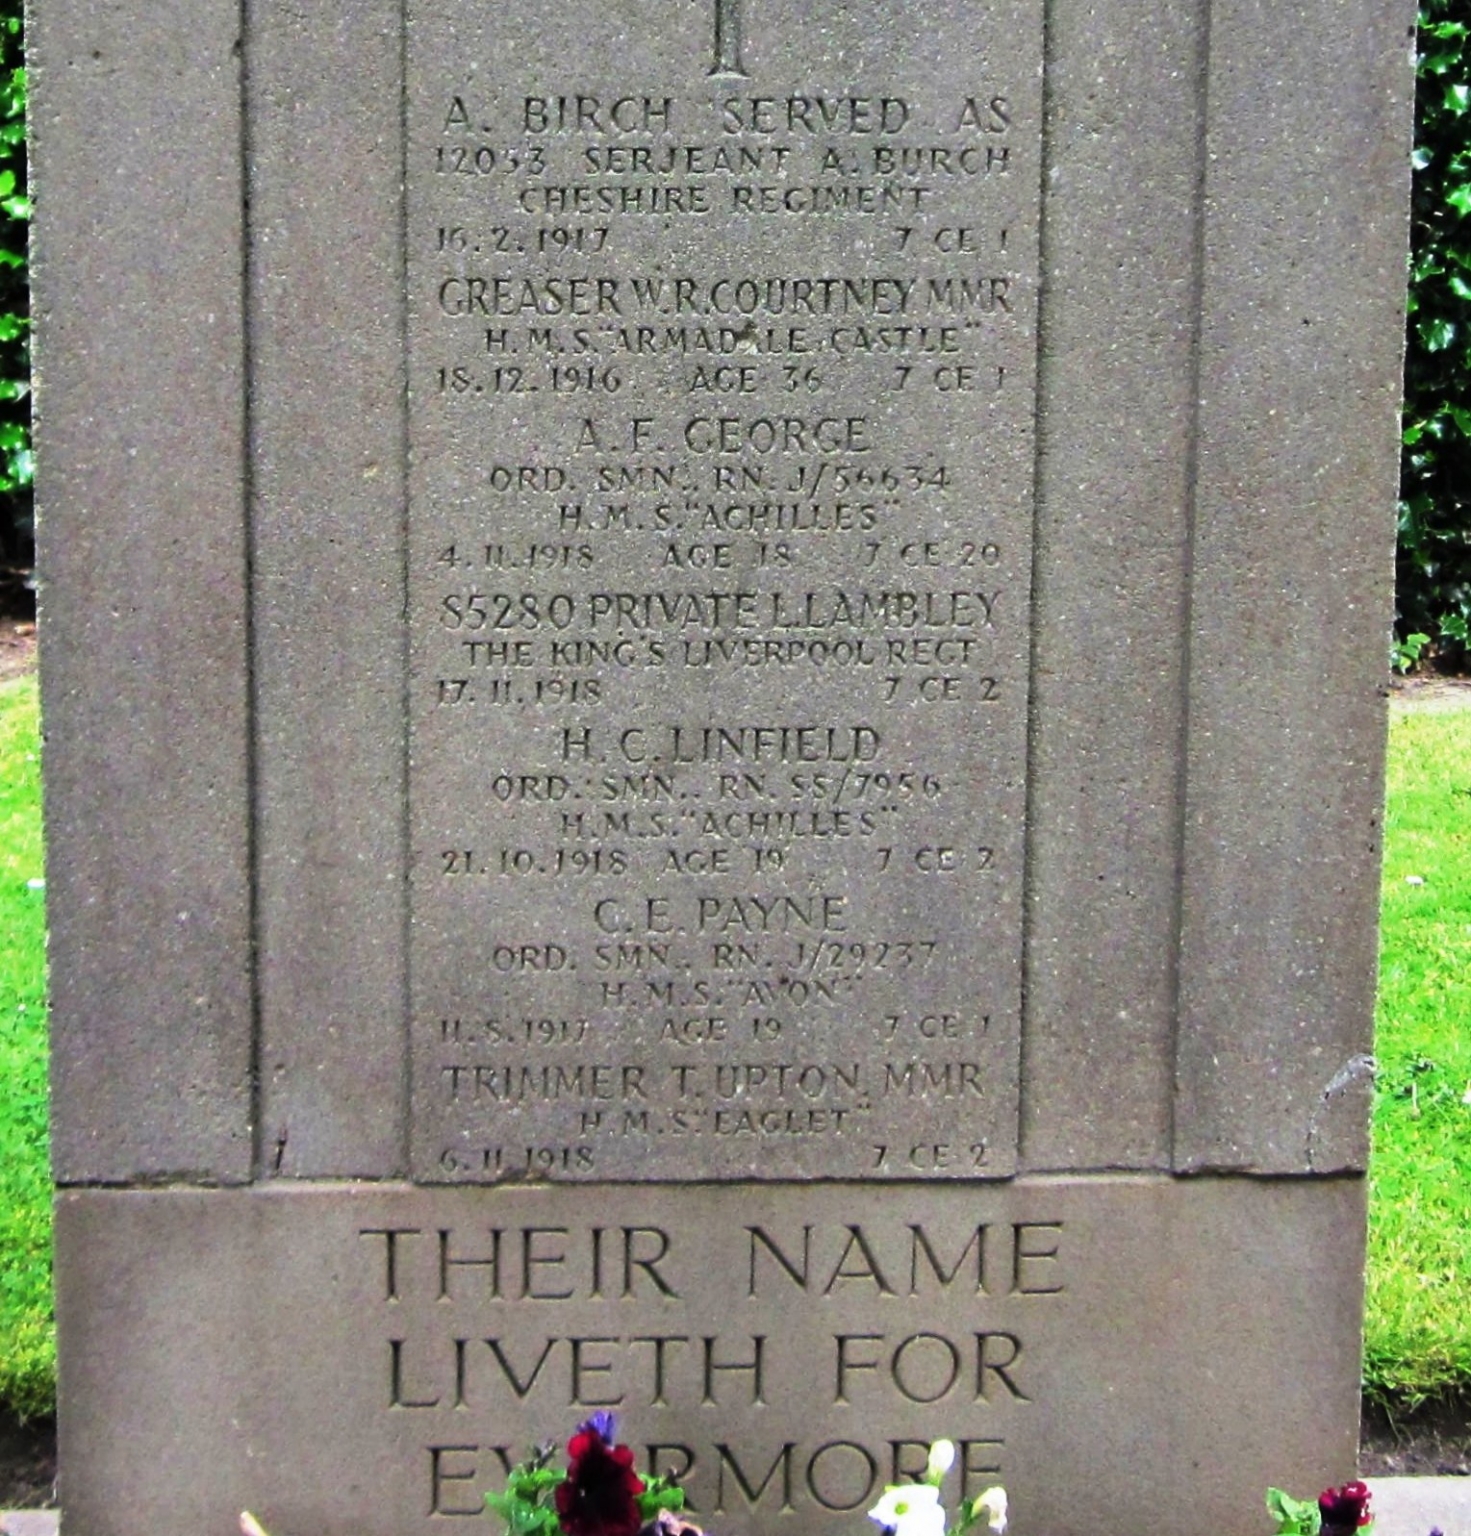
<point x="1294" y="1517"/>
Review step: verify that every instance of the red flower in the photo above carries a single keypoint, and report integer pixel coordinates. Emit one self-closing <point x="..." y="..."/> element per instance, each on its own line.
<point x="1345" y="1508"/>
<point x="600" y="1495"/>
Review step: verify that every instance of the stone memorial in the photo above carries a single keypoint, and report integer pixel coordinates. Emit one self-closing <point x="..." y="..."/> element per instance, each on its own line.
<point x="713" y="681"/>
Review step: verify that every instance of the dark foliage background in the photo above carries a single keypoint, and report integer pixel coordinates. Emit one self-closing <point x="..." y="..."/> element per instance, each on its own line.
<point x="16" y="519"/>
<point x="1434" y="567"/>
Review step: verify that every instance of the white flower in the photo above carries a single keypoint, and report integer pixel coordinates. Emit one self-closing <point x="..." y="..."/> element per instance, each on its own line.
<point x="991" y="1504"/>
<point x="942" y="1458"/>
<point x="912" y="1509"/>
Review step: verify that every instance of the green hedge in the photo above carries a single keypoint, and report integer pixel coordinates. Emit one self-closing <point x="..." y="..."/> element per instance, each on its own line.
<point x="1434" y="570"/>
<point x="16" y="519"/>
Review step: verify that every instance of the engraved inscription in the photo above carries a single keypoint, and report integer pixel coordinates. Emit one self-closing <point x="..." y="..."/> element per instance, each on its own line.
<point x="722" y="407"/>
<point x="926" y="1327"/>
<point x="727" y="38"/>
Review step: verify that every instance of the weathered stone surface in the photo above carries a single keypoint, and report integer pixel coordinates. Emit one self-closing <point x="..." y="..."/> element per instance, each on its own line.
<point x="1111" y="585"/>
<point x="1108" y="1347"/>
<point x="140" y="415"/>
<point x="1301" y="330"/>
<point x="327" y="476"/>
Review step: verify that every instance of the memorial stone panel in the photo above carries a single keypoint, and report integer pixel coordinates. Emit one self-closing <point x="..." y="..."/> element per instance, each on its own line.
<point x="722" y="370"/>
<point x="687" y="640"/>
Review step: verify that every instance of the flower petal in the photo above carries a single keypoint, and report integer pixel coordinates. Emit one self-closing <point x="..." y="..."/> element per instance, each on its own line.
<point x="942" y="1458"/>
<point x="991" y="1504"/>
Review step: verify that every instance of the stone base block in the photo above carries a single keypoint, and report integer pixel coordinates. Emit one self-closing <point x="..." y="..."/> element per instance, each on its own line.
<point x="1131" y="1356"/>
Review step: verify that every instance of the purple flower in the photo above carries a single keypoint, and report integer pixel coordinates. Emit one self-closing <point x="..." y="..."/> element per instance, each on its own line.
<point x="602" y="1424"/>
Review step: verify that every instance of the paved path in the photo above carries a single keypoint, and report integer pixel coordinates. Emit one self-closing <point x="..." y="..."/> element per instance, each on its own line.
<point x="1405" y="1506"/>
<point x="1413" y="1506"/>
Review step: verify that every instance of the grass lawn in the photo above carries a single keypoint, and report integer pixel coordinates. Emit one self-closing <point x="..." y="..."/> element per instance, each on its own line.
<point x="1418" y="1327"/>
<point x="1417" y="1332"/>
<point x="27" y="1338"/>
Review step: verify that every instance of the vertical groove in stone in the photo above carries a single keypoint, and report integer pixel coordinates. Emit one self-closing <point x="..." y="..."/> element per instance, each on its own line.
<point x="257" y="1138"/>
<point x="327" y="325"/>
<point x="406" y="810"/>
<point x="140" y="410"/>
<point x="1181" y="744"/>
<point x="1038" y="449"/>
<point x="1301" y="325"/>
